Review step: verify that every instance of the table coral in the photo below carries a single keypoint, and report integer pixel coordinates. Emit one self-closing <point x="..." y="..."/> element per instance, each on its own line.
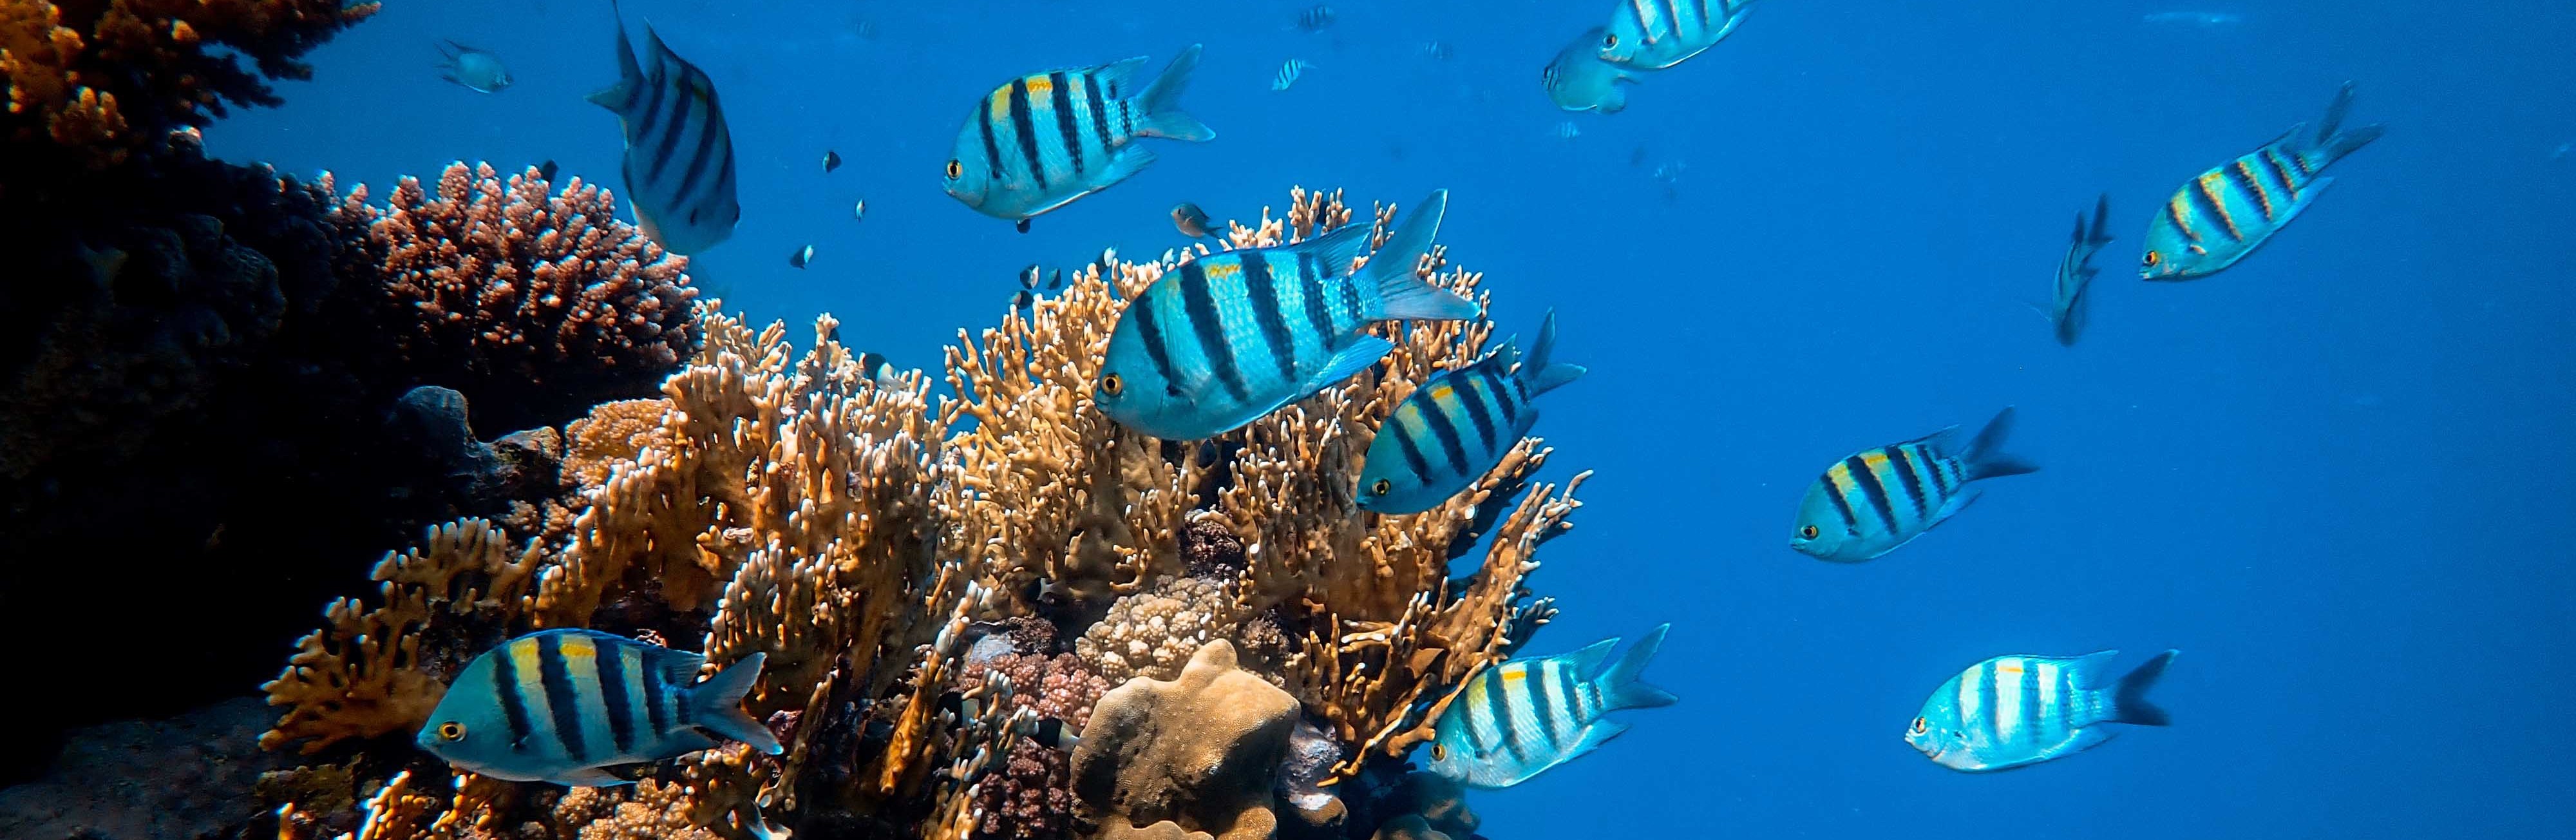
<point x="534" y="303"/>
<point x="1200" y="752"/>
<point x="102" y="79"/>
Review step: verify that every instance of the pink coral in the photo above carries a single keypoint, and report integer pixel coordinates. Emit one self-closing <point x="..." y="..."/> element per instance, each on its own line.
<point x="504" y="291"/>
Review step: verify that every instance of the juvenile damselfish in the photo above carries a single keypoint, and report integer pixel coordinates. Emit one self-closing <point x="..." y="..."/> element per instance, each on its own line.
<point x="1869" y="503"/>
<point x="1515" y="720"/>
<point x="560" y="705"/>
<point x="1655" y="34"/>
<point x="679" y="155"/>
<point x="1045" y="139"/>
<point x="1457" y="426"/>
<point x="1225" y="338"/>
<point x="2220" y="216"/>
<point x="2011" y="711"/>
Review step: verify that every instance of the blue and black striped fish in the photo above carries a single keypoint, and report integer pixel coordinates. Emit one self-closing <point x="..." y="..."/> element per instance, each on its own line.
<point x="2075" y="271"/>
<point x="679" y="156"/>
<point x="1877" y="499"/>
<point x="1225" y="338"/>
<point x="2010" y="711"/>
<point x="1289" y="71"/>
<point x="2222" y="215"/>
<point x="559" y="705"/>
<point x="1457" y="426"/>
<point x="1655" y="34"/>
<point x="1048" y="138"/>
<point x="1515" y="720"/>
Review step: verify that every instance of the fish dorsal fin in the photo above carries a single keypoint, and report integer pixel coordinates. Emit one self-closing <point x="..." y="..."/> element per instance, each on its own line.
<point x="1940" y="442"/>
<point x="1337" y="249"/>
<point x="2289" y="140"/>
<point x="1587" y="661"/>
<point x="679" y="667"/>
<point x="1118" y="78"/>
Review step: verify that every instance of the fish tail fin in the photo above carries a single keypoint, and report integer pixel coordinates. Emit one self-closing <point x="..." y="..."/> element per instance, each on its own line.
<point x="2333" y="142"/>
<point x="629" y="74"/>
<point x="1623" y="686"/>
<point x="2129" y="698"/>
<point x="717" y="705"/>
<point x="1986" y="457"/>
<point x="1537" y="374"/>
<point x="1390" y="270"/>
<point x="1161" y="102"/>
<point x="2101" y="221"/>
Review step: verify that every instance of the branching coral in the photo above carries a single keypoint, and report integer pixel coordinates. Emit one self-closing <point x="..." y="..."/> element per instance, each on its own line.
<point x="907" y="568"/>
<point x="534" y="303"/>
<point x="102" y="79"/>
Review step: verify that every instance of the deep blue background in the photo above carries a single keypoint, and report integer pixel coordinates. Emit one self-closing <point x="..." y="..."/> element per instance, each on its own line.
<point x="2336" y="476"/>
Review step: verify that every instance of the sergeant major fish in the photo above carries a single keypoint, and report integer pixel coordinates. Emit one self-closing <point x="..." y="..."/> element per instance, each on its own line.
<point x="1578" y="80"/>
<point x="1655" y="34"/>
<point x="1048" y="138"/>
<point x="1517" y="719"/>
<point x="476" y="70"/>
<point x="2222" y="215"/>
<point x="1289" y="71"/>
<point x="1225" y="338"/>
<point x="679" y="156"/>
<point x="2011" y="711"/>
<point x="1457" y="425"/>
<point x="2075" y="271"/>
<point x="1877" y="499"/>
<point x="560" y="705"/>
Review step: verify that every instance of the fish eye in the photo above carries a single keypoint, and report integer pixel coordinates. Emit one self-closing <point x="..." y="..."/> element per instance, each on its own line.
<point x="956" y="170"/>
<point x="1920" y="725"/>
<point x="451" y="731"/>
<point x="2153" y="257"/>
<point x="1381" y="486"/>
<point x="1438" y="752"/>
<point x="1112" y="384"/>
<point x="1808" y="532"/>
<point x="1611" y="41"/>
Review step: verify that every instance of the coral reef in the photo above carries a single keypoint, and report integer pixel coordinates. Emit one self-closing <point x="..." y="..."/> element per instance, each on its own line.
<point x="95" y="81"/>
<point x="946" y="588"/>
<point x="534" y="304"/>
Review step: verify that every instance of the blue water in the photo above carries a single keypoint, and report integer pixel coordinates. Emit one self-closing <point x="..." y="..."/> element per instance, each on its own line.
<point x="2335" y="476"/>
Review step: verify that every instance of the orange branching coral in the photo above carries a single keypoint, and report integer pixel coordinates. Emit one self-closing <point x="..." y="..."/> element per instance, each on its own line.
<point x="528" y="301"/>
<point x="364" y="675"/>
<point x="102" y="78"/>
<point x="611" y="434"/>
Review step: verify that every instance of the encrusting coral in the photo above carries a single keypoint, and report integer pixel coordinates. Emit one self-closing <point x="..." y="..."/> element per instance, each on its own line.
<point x="946" y="589"/>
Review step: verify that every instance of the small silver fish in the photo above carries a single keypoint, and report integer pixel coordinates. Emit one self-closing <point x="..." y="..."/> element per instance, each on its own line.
<point x="1192" y="221"/>
<point x="859" y="213"/>
<point x="1288" y="73"/>
<point x="472" y="69"/>
<point x="801" y="256"/>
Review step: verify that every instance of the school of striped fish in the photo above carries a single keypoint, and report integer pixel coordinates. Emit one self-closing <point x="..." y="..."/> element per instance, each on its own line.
<point x="1228" y="336"/>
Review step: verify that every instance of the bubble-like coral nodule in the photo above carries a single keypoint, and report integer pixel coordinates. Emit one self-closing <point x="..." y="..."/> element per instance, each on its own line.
<point x="945" y="587"/>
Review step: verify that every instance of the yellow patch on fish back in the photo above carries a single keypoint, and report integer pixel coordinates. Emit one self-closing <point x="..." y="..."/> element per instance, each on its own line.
<point x="1875" y="459"/>
<point x="1515" y="673"/>
<point x="1223" y="271"/>
<point x="1040" y="84"/>
<point x="1000" y="106"/>
<point x="2009" y="666"/>
<point x="1442" y="391"/>
<point x="523" y="656"/>
<point x="578" y="647"/>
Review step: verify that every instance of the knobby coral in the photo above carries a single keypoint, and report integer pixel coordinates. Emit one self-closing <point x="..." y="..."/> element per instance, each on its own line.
<point x="942" y="586"/>
<point x="104" y="78"/>
<point x="533" y="303"/>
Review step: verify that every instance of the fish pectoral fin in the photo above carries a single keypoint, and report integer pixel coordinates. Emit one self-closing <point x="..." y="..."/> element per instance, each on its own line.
<point x="1952" y="507"/>
<point x="1123" y="165"/>
<point x="588" y="777"/>
<point x="1600" y="732"/>
<point x="1362" y="353"/>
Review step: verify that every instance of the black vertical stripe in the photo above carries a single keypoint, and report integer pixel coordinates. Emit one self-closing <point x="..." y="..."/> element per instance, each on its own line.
<point x="1506" y="392"/>
<point x="1869" y="487"/>
<point x="1099" y="110"/>
<point x="2281" y="173"/>
<point x="992" y="146"/>
<point x="1542" y="703"/>
<point x="612" y="695"/>
<point x="1346" y="293"/>
<point x="1198" y="302"/>
<point x="650" y="120"/>
<point x="1447" y="431"/>
<point x="1465" y="389"/>
<point x="1310" y="296"/>
<point x="709" y="135"/>
<point x="1412" y="449"/>
<point x="2211" y="209"/>
<point x="672" y="128"/>
<point x="1150" y="331"/>
<point x="1940" y="471"/>
<point x="1263" y="295"/>
<point x="657" y="691"/>
<point x="1023" y="125"/>
<point x="561" y="700"/>
<point x="2243" y="177"/>
<point x="1913" y="484"/>
<point x="1987" y="702"/>
<point x="1126" y="118"/>
<point x="1502" y="714"/>
<point x="1064" y="119"/>
<point x="505" y="690"/>
<point x="2173" y="213"/>
<point x="2030" y="699"/>
<point x="1834" y="491"/>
